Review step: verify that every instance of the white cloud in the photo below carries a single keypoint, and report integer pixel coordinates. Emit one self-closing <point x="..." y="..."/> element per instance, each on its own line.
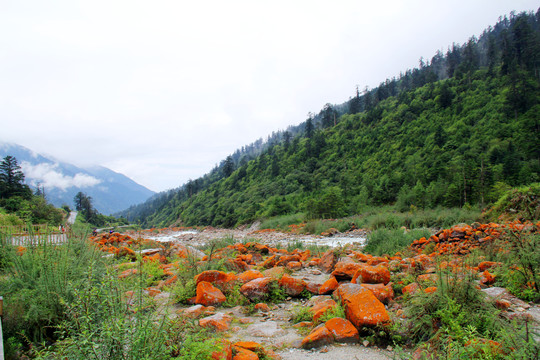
<point x="48" y="176"/>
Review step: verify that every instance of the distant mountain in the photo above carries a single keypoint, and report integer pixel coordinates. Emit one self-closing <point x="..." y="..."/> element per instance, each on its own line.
<point x="110" y="191"/>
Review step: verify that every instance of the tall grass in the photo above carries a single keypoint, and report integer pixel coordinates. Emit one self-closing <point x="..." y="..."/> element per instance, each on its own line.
<point x="37" y="282"/>
<point x="390" y="241"/>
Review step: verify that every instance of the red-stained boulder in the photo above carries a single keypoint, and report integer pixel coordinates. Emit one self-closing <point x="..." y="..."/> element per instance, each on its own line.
<point x="313" y="287"/>
<point x="127" y="273"/>
<point x="249" y="275"/>
<point x="362" y="308"/>
<point x="220" y="322"/>
<point x="372" y="275"/>
<point x="285" y="259"/>
<point x="126" y="252"/>
<point x="487" y="278"/>
<point x="343" y="330"/>
<point x="262" y="307"/>
<point x="294" y="265"/>
<point x="329" y="286"/>
<point x="410" y="289"/>
<point x="318" y="337"/>
<point x="384" y="293"/>
<point x="225" y="353"/>
<point x="327" y="262"/>
<point x="484" y="265"/>
<point x="270" y="262"/>
<point x="256" y="289"/>
<point x="244" y="354"/>
<point x="208" y="294"/>
<point x="345" y="270"/>
<point x="217" y="278"/>
<point x="275" y="273"/>
<point x="292" y="286"/>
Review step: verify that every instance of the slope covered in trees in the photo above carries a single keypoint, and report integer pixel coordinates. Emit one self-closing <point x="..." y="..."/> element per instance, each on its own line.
<point x="455" y="131"/>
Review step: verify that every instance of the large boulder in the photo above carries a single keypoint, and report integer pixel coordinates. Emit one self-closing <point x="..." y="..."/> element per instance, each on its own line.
<point x="345" y="270"/>
<point x="327" y="262"/>
<point x="384" y="293"/>
<point x="256" y="289"/>
<point x="329" y="286"/>
<point x="292" y="286"/>
<point x="219" y="322"/>
<point x="208" y="294"/>
<point x="343" y="330"/>
<point x="249" y="275"/>
<point x="362" y="308"/>
<point x="318" y="337"/>
<point x="372" y="275"/>
<point x="217" y="278"/>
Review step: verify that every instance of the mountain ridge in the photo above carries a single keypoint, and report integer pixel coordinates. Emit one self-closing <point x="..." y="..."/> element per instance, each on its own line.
<point x="110" y="191"/>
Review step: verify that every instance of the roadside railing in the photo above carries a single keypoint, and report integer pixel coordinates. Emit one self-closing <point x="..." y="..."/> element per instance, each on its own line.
<point x="25" y="235"/>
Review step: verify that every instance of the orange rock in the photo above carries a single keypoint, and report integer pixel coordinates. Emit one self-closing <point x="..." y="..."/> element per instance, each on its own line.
<point x="427" y="278"/>
<point x="362" y="308"/>
<point x="484" y="265"/>
<point x="303" y="324"/>
<point x="329" y="286"/>
<point x="321" y="308"/>
<point x="262" y="307"/>
<point x="487" y="278"/>
<point x="126" y="252"/>
<point x="208" y="294"/>
<point x="244" y="354"/>
<point x="219" y="322"/>
<point x="343" y="330"/>
<point x="327" y="262"/>
<point x="217" y="278"/>
<point x="275" y="272"/>
<point x="194" y="311"/>
<point x="318" y="337"/>
<point x="285" y="259"/>
<point x="256" y="289"/>
<point x="225" y="353"/>
<point x="292" y="286"/>
<point x="376" y="260"/>
<point x="249" y="275"/>
<point x="127" y="273"/>
<point x="384" y="293"/>
<point x="372" y="275"/>
<point x="313" y="287"/>
<point x="345" y="270"/>
<point x="430" y="289"/>
<point x="410" y="289"/>
<point x="152" y="291"/>
<point x="167" y="282"/>
<point x="502" y="304"/>
<point x="249" y="345"/>
<point x="294" y="265"/>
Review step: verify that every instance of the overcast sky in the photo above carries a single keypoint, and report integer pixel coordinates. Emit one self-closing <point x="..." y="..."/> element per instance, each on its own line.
<point x="161" y="91"/>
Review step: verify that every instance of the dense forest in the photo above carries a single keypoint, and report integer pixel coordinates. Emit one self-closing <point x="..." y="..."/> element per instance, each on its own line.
<point x="458" y="130"/>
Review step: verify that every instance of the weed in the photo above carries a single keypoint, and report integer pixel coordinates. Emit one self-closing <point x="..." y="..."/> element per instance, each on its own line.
<point x="301" y="313"/>
<point x="333" y="312"/>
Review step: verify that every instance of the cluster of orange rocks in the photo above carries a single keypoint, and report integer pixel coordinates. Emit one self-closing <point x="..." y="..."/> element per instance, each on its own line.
<point x="361" y="282"/>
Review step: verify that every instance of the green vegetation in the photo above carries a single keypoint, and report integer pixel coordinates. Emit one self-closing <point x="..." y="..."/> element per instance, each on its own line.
<point x="390" y="241"/>
<point x="451" y="134"/>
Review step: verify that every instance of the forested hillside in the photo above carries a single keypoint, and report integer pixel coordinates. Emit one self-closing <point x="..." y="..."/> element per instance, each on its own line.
<point x="457" y="130"/>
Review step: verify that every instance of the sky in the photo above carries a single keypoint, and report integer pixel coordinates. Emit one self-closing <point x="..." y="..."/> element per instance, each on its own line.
<point x="162" y="91"/>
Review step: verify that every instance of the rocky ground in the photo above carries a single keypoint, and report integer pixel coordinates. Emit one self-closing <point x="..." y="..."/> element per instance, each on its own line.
<point x="360" y="282"/>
